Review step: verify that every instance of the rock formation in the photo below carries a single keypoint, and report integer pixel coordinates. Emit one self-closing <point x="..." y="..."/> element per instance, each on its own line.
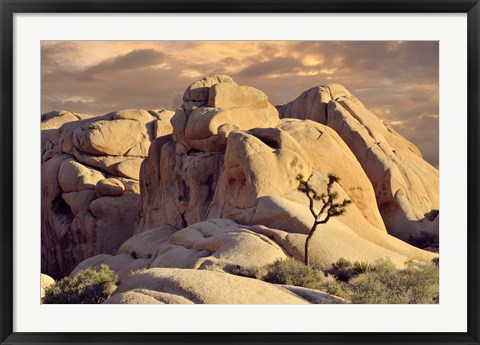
<point x="175" y="214"/>
<point x="55" y="119"/>
<point x="186" y="286"/>
<point x="90" y="187"/>
<point x="213" y="107"/>
<point x="253" y="181"/>
<point x="406" y="186"/>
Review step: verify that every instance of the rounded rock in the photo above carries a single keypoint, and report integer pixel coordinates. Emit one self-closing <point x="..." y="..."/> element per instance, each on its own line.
<point x="109" y="187"/>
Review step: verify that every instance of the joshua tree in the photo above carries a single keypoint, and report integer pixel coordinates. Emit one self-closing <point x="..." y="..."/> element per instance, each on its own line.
<point x="331" y="208"/>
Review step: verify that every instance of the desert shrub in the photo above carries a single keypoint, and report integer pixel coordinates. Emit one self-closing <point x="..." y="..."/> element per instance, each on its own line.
<point x="87" y="287"/>
<point x="249" y="272"/>
<point x="363" y="267"/>
<point x="335" y="287"/>
<point x="415" y="284"/>
<point x="343" y="270"/>
<point x="292" y="272"/>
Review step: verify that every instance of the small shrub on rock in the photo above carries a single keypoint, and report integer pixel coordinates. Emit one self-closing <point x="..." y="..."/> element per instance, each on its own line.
<point x="87" y="287"/>
<point x="343" y="270"/>
<point x="335" y="287"/>
<point x="293" y="272"/>
<point x="248" y="272"/>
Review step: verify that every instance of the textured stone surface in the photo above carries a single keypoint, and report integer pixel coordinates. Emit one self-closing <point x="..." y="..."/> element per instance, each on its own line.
<point x="90" y="188"/>
<point x="218" y="245"/>
<point x="109" y="187"/>
<point x="177" y="189"/>
<point x="106" y="137"/>
<point x="145" y="244"/>
<point x="199" y="90"/>
<point x="143" y="296"/>
<point x="205" y="287"/>
<point x="329" y="154"/>
<point x="53" y="120"/>
<point x="406" y="186"/>
<point x="74" y="177"/>
<point x="215" y="106"/>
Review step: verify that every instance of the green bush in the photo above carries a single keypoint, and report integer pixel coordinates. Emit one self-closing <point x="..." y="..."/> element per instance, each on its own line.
<point x="292" y="272"/>
<point x="334" y="287"/>
<point x="343" y="270"/>
<point x="358" y="282"/>
<point x="87" y="287"/>
<point x="415" y="284"/>
<point x="248" y="272"/>
<point x="363" y="267"/>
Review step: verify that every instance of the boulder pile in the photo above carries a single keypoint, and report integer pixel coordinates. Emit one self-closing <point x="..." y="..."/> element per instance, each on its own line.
<point x="90" y="182"/>
<point x="182" y="199"/>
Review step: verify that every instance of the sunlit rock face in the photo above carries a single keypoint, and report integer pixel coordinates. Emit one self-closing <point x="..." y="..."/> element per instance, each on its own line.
<point x="213" y="107"/>
<point x="406" y="186"/>
<point x="249" y="176"/>
<point x="187" y="286"/>
<point x="213" y="186"/>
<point x="90" y="182"/>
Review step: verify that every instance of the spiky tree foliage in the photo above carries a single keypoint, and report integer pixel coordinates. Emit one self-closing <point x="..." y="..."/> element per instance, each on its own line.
<point x="330" y="208"/>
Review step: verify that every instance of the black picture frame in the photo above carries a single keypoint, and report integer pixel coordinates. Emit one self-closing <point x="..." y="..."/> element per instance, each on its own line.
<point x="9" y="7"/>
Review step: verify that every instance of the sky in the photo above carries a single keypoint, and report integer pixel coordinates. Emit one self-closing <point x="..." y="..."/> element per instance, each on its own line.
<point x="397" y="80"/>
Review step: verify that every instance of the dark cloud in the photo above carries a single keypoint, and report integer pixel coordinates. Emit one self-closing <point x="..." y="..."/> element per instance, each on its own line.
<point x="55" y="57"/>
<point x="133" y="60"/>
<point x="275" y="66"/>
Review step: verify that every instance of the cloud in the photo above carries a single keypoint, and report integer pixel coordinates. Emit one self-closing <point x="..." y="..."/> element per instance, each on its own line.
<point x="135" y="59"/>
<point x="272" y="67"/>
<point x="397" y="80"/>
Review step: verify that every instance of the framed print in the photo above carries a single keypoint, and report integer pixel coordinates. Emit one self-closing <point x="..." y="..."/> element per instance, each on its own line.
<point x="241" y="172"/>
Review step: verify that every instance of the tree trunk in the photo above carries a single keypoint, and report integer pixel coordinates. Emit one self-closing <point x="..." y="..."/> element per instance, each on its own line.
<point x="307" y="243"/>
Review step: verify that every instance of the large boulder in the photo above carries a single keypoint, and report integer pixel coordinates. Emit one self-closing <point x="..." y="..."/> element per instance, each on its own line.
<point x="329" y="154"/>
<point x="216" y="245"/>
<point x="224" y="246"/>
<point x="55" y="119"/>
<point x="109" y="187"/>
<point x="406" y="186"/>
<point x="213" y="107"/>
<point x="90" y="182"/>
<point x="201" y="287"/>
